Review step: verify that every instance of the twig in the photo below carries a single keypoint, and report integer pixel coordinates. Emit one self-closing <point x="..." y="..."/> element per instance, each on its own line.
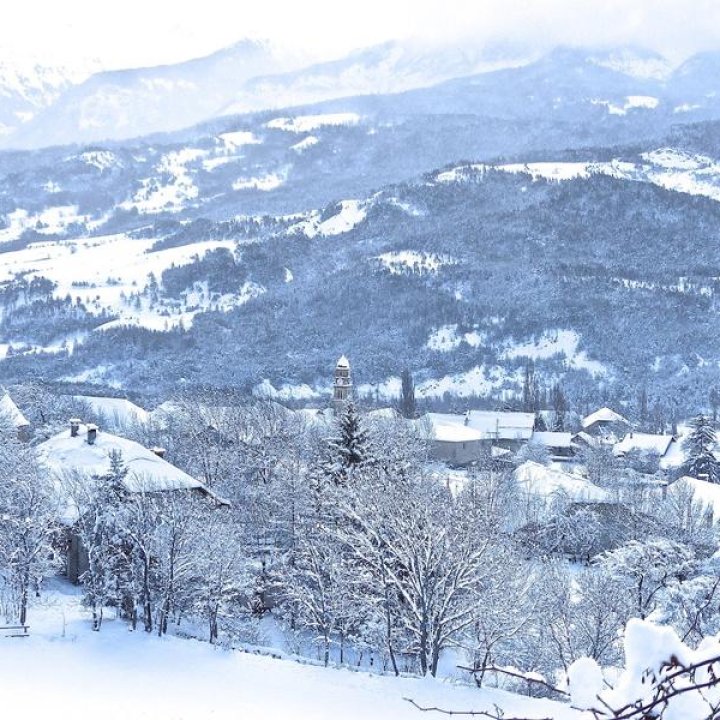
<point x="520" y="676"/>
<point x="497" y="715"/>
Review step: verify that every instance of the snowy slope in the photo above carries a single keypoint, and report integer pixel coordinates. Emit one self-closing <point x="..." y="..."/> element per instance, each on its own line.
<point x="671" y="168"/>
<point x="65" y="671"/>
<point x="104" y="272"/>
<point x="27" y="88"/>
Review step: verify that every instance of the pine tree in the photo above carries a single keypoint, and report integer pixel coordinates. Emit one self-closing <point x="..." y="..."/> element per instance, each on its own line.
<point x="714" y="403"/>
<point x="643" y="408"/>
<point x="408" y="405"/>
<point x="699" y="444"/>
<point x="528" y="399"/>
<point x="348" y="450"/>
<point x="559" y="404"/>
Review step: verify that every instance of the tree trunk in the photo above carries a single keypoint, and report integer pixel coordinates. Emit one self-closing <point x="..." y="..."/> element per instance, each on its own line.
<point x="388" y="625"/>
<point x="147" y="607"/>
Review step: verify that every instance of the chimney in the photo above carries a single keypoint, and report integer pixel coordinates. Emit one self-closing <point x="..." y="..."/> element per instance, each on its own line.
<point x="159" y="451"/>
<point x="74" y="427"/>
<point x="92" y="434"/>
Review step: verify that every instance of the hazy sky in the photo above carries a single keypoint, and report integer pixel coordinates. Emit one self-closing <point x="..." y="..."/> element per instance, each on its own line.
<point x="124" y="33"/>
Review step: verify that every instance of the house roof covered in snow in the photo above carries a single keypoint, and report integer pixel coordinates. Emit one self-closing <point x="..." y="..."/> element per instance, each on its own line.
<point x="63" y="454"/>
<point x="315" y="416"/>
<point x="12" y="411"/>
<point x="386" y="413"/>
<point x="703" y="492"/>
<point x="644" y="442"/>
<point x="449" y="428"/>
<point x="553" y="439"/>
<point x="484" y="424"/>
<point x="603" y="415"/>
<point x="119" y="411"/>
<point x="545" y="481"/>
<point x="500" y="425"/>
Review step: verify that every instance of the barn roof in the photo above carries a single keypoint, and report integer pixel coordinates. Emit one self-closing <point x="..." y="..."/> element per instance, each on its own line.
<point x="64" y="455"/>
<point x="644" y="442"/>
<point x="603" y="415"/>
<point x="553" y="439"/>
<point x="119" y="411"/>
<point x="544" y="481"/>
<point x="449" y="428"/>
<point x="12" y="411"/>
<point x="502" y="425"/>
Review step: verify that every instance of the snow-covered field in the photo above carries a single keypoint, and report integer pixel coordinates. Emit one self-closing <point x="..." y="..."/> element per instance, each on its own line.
<point x="446" y="339"/>
<point x="350" y="214"/>
<point x="308" y="123"/>
<point x="265" y="182"/>
<point x="414" y="262"/>
<point x="65" y="671"/>
<point x="670" y="168"/>
<point x="557" y="342"/>
<point x="171" y="188"/>
<point x="105" y="271"/>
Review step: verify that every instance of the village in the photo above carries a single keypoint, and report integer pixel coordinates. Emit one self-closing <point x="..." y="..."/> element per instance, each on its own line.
<point x="601" y="463"/>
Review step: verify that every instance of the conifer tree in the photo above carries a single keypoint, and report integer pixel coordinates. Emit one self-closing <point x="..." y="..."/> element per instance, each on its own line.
<point x="559" y="404"/>
<point x="408" y="405"/>
<point x="699" y="445"/>
<point x="348" y="450"/>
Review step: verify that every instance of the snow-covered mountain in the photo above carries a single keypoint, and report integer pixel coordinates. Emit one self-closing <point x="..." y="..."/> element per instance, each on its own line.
<point x="388" y="68"/>
<point x="127" y="103"/>
<point x="496" y="81"/>
<point x="633" y="61"/>
<point x="273" y="214"/>
<point x="27" y="88"/>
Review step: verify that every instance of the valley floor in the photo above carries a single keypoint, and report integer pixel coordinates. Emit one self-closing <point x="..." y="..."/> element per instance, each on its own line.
<point x="64" y="670"/>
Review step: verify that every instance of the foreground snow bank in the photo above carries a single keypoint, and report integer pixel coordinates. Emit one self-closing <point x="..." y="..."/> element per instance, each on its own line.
<point x="64" y="671"/>
<point x="663" y="677"/>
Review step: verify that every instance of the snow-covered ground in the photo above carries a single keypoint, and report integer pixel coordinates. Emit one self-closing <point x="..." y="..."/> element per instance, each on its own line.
<point x="446" y="338"/>
<point x="51" y="221"/>
<point x="308" y="123"/>
<point x="304" y="144"/>
<point x="670" y="168"/>
<point x="350" y="214"/>
<point x="105" y="271"/>
<point x="557" y="342"/>
<point x="65" y="671"/>
<point x="479" y="380"/>
<point x="171" y="188"/>
<point x="265" y="182"/>
<point x="100" y="159"/>
<point x="632" y="102"/>
<point x="414" y="262"/>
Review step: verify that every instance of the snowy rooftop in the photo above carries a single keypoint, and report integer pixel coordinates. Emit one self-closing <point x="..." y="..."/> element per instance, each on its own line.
<point x="553" y="439"/>
<point x="12" y="411"/>
<point x="450" y="428"/>
<point x="704" y="492"/>
<point x="117" y="410"/>
<point x="387" y="413"/>
<point x="343" y="362"/>
<point x="484" y="424"/>
<point x="63" y="454"/>
<point x="502" y="425"/>
<point x="547" y="481"/>
<point x="315" y="416"/>
<point x="603" y="415"/>
<point x="644" y="442"/>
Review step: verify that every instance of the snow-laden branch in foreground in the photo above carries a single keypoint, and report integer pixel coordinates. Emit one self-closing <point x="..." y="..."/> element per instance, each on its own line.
<point x="663" y="679"/>
<point x="497" y="714"/>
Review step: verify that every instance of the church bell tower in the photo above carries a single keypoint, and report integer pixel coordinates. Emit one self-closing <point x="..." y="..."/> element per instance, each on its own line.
<point x="342" y="386"/>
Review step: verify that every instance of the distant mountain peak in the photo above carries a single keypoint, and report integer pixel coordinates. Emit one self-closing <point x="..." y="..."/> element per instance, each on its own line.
<point x="634" y="61"/>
